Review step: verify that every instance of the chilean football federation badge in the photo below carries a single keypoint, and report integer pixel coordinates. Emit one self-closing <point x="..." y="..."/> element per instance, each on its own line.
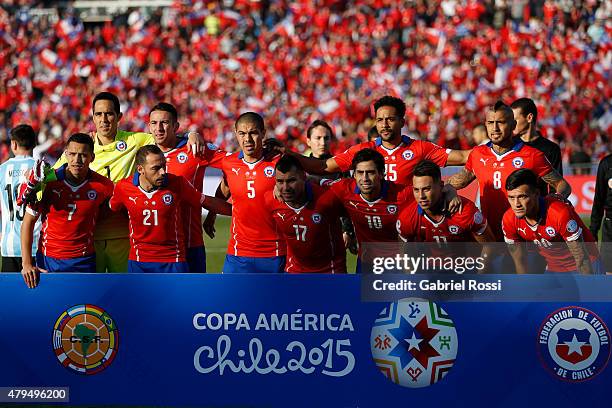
<point x="574" y="344"/>
<point x="414" y="342"/>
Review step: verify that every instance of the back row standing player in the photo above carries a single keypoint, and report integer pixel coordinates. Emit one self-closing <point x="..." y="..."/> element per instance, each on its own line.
<point x="12" y="175"/>
<point x="401" y="153"/>
<point x="493" y="162"/>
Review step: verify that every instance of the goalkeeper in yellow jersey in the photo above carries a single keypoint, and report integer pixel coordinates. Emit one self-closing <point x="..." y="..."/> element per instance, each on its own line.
<point x="115" y="151"/>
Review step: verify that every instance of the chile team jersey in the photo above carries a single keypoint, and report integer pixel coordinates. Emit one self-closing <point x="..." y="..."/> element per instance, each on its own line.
<point x="157" y="229"/>
<point x="414" y="225"/>
<point x="400" y="161"/>
<point x="374" y="221"/>
<point x="492" y="170"/>
<point x="115" y="161"/>
<point x="253" y="232"/>
<point x="313" y="232"/>
<point x="558" y="223"/>
<point x="69" y="215"/>
<point x="180" y="162"/>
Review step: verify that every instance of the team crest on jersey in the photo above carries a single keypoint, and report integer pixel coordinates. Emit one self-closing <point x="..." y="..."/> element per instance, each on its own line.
<point x="518" y="162"/>
<point x="316" y="218"/>
<point x="408" y="155"/>
<point x="574" y="344"/>
<point x="551" y="231"/>
<point x="414" y="342"/>
<point x="478" y="218"/>
<point x="91" y="194"/>
<point x="167" y="198"/>
<point x="572" y="226"/>
<point x="85" y="339"/>
<point x="182" y="157"/>
<point x="453" y="229"/>
<point x="121" y="146"/>
<point x="392" y="209"/>
<point x="269" y="171"/>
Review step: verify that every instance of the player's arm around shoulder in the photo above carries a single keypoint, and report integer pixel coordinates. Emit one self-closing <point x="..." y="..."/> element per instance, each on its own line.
<point x="457" y="157"/>
<point x="116" y="200"/>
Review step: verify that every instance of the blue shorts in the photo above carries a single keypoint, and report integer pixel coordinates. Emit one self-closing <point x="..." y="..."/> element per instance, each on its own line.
<point x="85" y="264"/>
<point x="596" y="265"/>
<point x="243" y="264"/>
<point x="196" y="258"/>
<point x="157" y="267"/>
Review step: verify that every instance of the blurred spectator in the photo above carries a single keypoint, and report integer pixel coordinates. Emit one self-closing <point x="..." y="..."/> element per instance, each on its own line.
<point x="314" y="59"/>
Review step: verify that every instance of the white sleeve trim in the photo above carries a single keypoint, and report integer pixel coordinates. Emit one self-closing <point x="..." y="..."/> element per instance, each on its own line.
<point x="574" y="237"/>
<point x="31" y="211"/>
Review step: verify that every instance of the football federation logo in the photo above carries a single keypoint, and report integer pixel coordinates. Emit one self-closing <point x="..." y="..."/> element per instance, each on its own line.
<point x="551" y="231"/>
<point x="182" y="157"/>
<point x="121" y="146"/>
<point x="414" y="342"/>
<point x="85" y="339"/>
<point x="574" y="344"/>
<point x="91" y="194"/>
<point x="572" y="226"/>
<point x="392" y="209"/>
<point x="408" y="155"/>
<point x="518" y="162"/>
<point x="167" y="198"/>
<point x="269" y="171"/>
<point x="316" y="218"/>
<point x="453" y="229"/>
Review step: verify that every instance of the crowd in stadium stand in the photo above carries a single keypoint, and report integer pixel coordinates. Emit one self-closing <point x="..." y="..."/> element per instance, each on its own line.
<point x="299" y="61"/>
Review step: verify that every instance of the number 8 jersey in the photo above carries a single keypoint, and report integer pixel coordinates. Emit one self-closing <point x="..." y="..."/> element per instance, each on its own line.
<point x="492" y="170"/>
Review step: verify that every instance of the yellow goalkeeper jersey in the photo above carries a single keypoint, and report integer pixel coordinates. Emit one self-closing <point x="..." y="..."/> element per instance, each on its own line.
<point x="115" y="161"/>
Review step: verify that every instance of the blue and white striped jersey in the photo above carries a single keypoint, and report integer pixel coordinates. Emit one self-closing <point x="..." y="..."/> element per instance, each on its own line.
<point x="12" y="174"/>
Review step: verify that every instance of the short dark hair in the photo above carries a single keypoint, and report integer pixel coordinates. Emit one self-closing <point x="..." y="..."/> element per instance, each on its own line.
<point x="373" y="133"/>
<point x="522" y="177"/>
<point x="365" y="155"/>
<point x="501" y="106"/>
<point x="81" y="138"/>
<point x="288" y="162"/>
<point x="251" y="117"/>
<point x="144" y="151"/>
<point x="107" y="96"/>
<point x="527" y="106"/>
<point x="24" y="135"/>
<point x="397" y="103"/>
<point x="317" y="123"/>
<point x="165" y="107"/>
<point x="427" y="168"/>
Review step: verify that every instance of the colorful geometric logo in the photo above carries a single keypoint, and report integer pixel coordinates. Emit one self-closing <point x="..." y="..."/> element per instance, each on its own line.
<point x="408" y="155"/>
<point x="121" y="146"/>
<point x="85" y="339"/>
<point x="269" y="171"/>
<point x="518" y="162"/>
<point x="574" y="344"/>
<point x="182" y="157"/>
<point x="414" y="342"/>
<point x="167" y="198"/>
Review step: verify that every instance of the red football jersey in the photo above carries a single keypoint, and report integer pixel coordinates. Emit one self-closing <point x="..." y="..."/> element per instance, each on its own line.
<point x="414" y="225"/>
<point x="401" y="161"/>
<point x="69" y="215"/>
<point x="558" y="223"/>
<point x="492" y="170"/>
<point x="157" y="232"/>
<point x="313" y="232"/>
<point x="253" y="231"/>
<point x="181" y="162"/>
<point x="373" y="221"/>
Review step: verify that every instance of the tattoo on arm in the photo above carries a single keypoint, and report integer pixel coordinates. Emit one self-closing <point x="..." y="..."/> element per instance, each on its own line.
<point x="461" y="179"/>
<point x="581" y="256"/>
<point x="560" y="185"/>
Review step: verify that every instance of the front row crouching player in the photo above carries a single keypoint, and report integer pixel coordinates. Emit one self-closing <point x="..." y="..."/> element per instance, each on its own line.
<point x="309" y="221"/>
<point x="69" y="208"/>
<point x="551" y="224"/>
<point x="427" y="219"/>
<point x="154" y="201"/>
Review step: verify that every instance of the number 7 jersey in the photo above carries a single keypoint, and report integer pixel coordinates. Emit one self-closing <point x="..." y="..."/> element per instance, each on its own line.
<point x="253" y="232"/>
